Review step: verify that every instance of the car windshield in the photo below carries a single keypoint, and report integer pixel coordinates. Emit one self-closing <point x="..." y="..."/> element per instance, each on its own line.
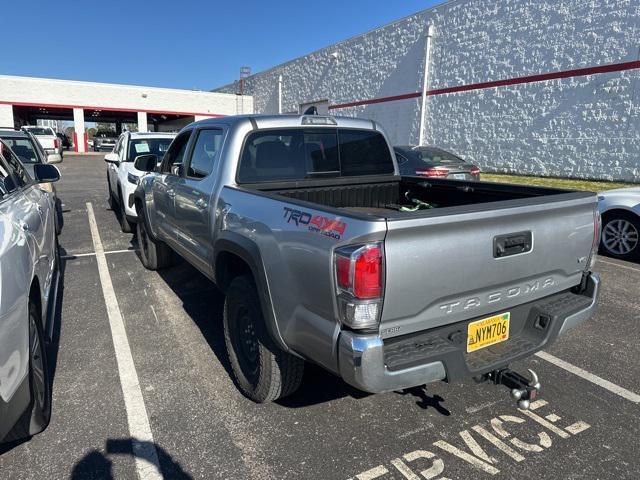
<point x="41" y="131"/>
<point x="23" y="148"/>
<point x="146" y="146"/>
<point x="105" y="134"/>
<point x="436" y="155"/>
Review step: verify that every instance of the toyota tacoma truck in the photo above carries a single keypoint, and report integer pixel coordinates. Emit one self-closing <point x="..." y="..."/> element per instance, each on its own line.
<point x="327" y="255"/>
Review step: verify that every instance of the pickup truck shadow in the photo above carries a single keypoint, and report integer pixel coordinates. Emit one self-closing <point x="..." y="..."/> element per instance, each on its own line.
<point x="204" y="303"/>
<point x="424" y="401"/>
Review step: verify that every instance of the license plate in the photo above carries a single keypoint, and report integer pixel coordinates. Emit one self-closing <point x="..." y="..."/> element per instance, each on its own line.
<point x="459" y="176"/>
<point x="488" y="331"/>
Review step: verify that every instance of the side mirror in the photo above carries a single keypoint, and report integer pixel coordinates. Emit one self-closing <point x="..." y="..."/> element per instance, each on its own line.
<point x="111" y="158"/>
<point x="146" y="163"/>
<point x="45" y="173"/>
<point x="54" y="158"/>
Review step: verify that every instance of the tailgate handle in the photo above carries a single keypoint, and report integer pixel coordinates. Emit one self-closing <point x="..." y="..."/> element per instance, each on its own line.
<point x="512" y="244"/>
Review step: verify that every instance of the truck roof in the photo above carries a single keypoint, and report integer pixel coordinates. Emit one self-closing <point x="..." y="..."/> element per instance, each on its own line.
<point x="291" y="120"/>
<point x="152" y="135"/>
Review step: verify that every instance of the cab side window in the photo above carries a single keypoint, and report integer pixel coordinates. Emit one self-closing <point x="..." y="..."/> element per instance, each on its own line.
<point x="175" y="156"/>
<point x="205" y="153"/>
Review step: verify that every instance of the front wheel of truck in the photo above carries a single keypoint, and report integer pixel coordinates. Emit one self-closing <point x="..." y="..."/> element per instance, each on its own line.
<point x="262" y="371"/>
<point x="153" y="255"/>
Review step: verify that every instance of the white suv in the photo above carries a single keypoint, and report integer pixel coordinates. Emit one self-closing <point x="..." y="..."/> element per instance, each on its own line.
<point x="122" y="176"/>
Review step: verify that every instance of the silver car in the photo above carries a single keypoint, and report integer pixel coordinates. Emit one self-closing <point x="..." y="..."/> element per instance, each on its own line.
<point x="620" y="210"/>
<point x="28" y="284"/>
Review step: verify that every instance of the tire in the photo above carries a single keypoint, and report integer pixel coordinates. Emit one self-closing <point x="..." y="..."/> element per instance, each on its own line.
<point x="125" y="225"/>
<point x="59" y="219"/>
<point x="621" y="235"/>
<point x="111" y="199"/>
<point x="37" y="416"/>
<point x="262" y="371"/>
<point x="154" y="255"/>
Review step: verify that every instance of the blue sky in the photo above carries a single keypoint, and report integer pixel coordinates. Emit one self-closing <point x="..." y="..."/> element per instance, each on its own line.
<point x="188" y="44"/>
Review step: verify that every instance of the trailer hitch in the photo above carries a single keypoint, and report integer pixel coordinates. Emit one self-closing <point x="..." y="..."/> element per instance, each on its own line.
<point x="523" y="390"/>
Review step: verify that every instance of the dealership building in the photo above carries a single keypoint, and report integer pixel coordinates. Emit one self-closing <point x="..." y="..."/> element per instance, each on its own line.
<point x="549" y="87"/>
<point x="26" y="100"/>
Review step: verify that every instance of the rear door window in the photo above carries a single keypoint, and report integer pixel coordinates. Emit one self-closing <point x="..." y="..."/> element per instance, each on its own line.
<point x="299" y="153"/>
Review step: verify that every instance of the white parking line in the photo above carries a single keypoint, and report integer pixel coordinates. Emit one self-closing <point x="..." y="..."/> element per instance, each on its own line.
<point x="601" y="382"/>
<point x="145" y="453"/>
<point x="90" y="254"/>
<point x="618" y="265"/>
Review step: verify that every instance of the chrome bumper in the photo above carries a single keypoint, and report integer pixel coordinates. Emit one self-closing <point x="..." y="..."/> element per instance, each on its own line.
<point x="362" y="365"/>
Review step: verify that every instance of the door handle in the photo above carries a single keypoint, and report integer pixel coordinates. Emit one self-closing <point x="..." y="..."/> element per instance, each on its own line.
<point x="171" y="193"/>
<point x="201" y="204"/>
<point x="39" y="207"/>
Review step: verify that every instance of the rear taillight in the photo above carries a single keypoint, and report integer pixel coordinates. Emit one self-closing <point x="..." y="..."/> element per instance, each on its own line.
<point x="56" y="143"/>
<point x="359" y="278"/>
<point x="597" y="228"/>
<point x="433" y="172"/>
<point x="475" y="171"/>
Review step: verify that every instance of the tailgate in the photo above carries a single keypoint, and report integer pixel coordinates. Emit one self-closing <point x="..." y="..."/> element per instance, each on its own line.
<point x="444" y="267"/>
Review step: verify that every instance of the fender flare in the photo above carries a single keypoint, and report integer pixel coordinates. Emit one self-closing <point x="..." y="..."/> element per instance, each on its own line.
<point x="248" y="251"/>
<point x="139" y="195"/>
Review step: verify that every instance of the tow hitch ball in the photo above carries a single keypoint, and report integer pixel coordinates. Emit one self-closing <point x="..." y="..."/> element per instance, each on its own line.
<point x="523" y="390"/>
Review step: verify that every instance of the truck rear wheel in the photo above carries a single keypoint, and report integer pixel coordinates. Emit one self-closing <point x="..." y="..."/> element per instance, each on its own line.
<point x="263" y="372"/>
<point x="153" y="255"/>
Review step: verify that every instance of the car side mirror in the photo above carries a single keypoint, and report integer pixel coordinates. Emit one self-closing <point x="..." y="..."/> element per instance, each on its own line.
<point x="146" y="163"/>
<point x="45" y="173"/>
<point x="54" y="158"/>
<point x="111" y="158"/>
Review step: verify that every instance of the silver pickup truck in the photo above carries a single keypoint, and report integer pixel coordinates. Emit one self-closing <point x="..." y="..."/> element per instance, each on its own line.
<point x="327" y="255"/>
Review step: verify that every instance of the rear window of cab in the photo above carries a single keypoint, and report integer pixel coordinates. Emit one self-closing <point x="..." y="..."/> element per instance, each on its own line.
<point x="305" y="153"/>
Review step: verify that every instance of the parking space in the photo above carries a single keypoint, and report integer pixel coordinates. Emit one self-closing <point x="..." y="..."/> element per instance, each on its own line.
<point x="200" y="426"/>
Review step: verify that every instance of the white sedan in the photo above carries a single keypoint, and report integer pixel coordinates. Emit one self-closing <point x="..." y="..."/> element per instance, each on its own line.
<point x="620" y="210"/>
<point x="122" y="176"/>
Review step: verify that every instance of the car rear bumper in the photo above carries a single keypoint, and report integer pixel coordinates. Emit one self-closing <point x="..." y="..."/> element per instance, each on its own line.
<point x="373" y="364"/>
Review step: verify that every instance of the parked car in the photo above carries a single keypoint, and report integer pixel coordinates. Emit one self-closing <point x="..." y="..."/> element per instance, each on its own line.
<point x="430" y="161"/>
<point x="300" y="221"/>
<point x="64" y="140"/>
<point x="620" y="210"/>
<point x="104" y="140"/>
<point x="122" y="176"/>
<point x="30" y="153"/>
<point x="47" y="138"/>
<point x="29" y="276"/>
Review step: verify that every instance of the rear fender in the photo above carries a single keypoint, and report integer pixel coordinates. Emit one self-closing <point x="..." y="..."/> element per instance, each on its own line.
<point x="249" y="252"/>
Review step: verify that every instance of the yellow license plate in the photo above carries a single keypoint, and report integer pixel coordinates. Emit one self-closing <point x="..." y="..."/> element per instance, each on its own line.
<point x="488" y="331"/>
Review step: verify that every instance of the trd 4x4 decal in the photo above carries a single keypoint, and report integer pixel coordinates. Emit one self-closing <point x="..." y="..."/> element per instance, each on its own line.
<point x="315" y="223"/>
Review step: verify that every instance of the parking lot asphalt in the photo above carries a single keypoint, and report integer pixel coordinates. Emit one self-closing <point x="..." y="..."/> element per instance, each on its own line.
<point x="202" y="427"/>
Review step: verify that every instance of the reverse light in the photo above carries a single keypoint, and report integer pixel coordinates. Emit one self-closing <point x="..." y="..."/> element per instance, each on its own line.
<point x="433" y="172"/>
<point x="359" y="278"/>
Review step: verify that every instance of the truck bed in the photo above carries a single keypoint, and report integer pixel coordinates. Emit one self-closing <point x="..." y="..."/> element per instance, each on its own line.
<point x="384" y="198"/>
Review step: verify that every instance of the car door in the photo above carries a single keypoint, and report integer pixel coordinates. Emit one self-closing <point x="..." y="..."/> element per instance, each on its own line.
<point x="164" y="187"/>
<point x="193" y="209"/>
<point x="16" y="271"/>
<point x="32" y="207"/>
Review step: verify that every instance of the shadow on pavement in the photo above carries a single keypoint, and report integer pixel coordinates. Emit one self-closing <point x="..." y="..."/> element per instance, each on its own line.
<point x="98" y="465"/>
<point x="424" y="401"/>
<point x="204" y="303"/>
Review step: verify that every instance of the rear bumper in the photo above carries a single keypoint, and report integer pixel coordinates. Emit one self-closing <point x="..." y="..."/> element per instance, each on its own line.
<point x="373" y="364"/>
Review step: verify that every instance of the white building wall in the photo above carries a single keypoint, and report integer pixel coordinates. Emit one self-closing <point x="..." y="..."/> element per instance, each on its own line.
<point x="6" y="116"/>
<point x="43" y="91"/>
<point x="583" y="126"/>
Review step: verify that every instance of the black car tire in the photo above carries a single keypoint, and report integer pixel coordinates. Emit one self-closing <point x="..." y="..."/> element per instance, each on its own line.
<point x="59" y="219"/>
<point x="125" y="225"/>
<point x="613" y="233"/>
<point x="262" y="371"/>
<point x="154" y="255"/>
<point x="38" y="414"/>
